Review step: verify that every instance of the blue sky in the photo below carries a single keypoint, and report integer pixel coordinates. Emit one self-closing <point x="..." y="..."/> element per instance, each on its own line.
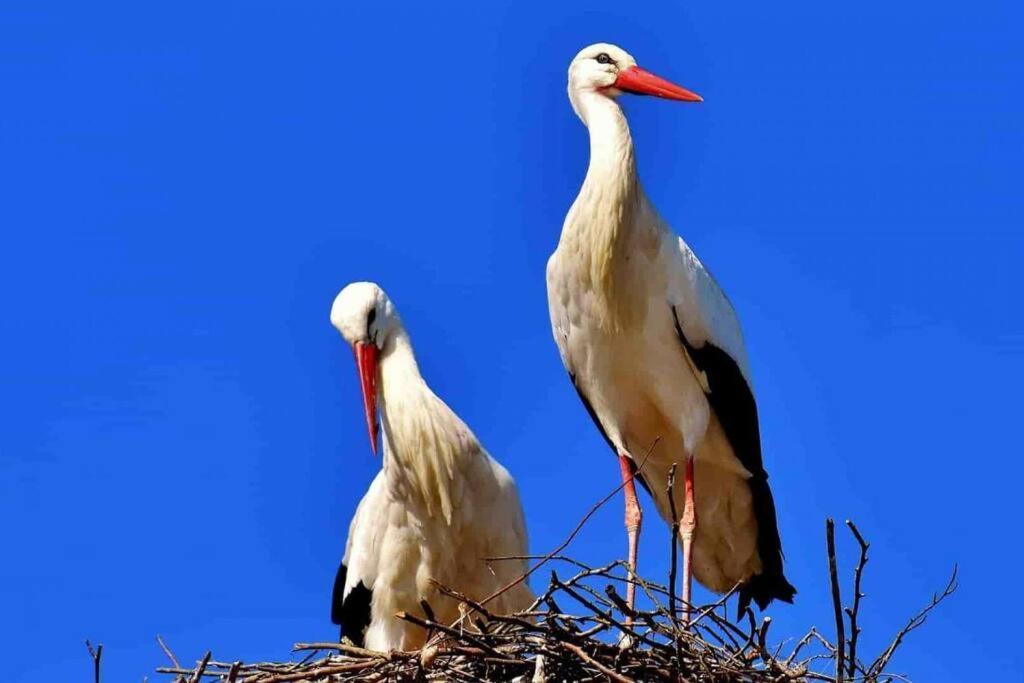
<point x="187" y="186"/>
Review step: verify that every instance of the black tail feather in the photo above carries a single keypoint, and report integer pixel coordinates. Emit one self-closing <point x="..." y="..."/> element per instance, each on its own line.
<point x="771" y="583"/>
<point x="762" y="589"/>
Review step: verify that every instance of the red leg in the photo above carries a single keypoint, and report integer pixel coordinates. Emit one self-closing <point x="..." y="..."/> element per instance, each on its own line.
<point x="687" y="527"/>
<point x="634" y="517"/>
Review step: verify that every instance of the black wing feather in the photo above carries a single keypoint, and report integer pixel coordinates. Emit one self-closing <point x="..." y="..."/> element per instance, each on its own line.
<point x="351" y="612"/>
<point x="731" y="399"/>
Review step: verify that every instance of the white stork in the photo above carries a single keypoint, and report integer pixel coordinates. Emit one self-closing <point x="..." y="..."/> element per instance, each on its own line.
<point x="655" y="352"/>
<point x="439" y="506"/>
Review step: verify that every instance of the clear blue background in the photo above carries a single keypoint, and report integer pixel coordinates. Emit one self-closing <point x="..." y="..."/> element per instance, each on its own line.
<point x="187" y="185"/>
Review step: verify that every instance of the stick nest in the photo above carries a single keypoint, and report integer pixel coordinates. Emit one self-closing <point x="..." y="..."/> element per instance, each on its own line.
<point x="580" y="629"/>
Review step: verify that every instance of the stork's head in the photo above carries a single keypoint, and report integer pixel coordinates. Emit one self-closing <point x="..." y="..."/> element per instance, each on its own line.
<point x="366" y="318"/>
<point x="609" y="70"/>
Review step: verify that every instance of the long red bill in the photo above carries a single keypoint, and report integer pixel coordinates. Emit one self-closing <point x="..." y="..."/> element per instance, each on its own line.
<point x="366" y="363"/>
<point x="640" y="82"/>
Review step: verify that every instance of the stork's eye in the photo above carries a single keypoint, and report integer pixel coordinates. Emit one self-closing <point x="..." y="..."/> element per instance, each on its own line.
<point x="371" y="334"/>
<point x="603" y="58"/>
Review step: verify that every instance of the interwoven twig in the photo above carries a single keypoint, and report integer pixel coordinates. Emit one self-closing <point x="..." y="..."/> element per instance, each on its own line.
<point x="594" y="641"/>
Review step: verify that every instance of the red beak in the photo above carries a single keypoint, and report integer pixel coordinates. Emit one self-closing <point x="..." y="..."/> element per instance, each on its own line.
<point x="366" y="363"/>
<point x="640" y="82"/>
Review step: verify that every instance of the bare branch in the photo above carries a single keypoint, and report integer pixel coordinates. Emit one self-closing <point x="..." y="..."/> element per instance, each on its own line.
<point x="837" y="605"/>
<point x="610" y="673"/>
<point x="97" y="655"/>
<point x="673" y="535"/>
<point x="484" y="645"/>
<point x="201" y="669"/>
<point x="914" y="623"/>
<point x="854" y="611"/>
<point x="167" y="651"/>
<point x="590" y="513"/>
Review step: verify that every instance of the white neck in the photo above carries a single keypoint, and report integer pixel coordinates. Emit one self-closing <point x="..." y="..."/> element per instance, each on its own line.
<point x="612" y="163"/>
<point x="603" y="224"/>
<point x="399" y="372"/>
<point x="420" y="443"/>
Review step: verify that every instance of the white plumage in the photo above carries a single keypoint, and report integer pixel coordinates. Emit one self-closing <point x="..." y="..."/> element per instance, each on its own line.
<point x="655" y="350"/>
<point x="440" y="505"/>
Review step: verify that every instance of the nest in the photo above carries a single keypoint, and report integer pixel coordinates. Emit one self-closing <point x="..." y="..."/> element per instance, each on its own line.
<point x="581" y="629"/>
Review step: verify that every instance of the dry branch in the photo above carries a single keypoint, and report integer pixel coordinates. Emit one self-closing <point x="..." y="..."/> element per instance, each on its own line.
<point x="550" y="644"/>
<point x="97" y="655"/>
<point x="837" y="602"/>
<point x="603" y="640"/>
<point x="854" y="611"/>
<point x="590" y="513"/>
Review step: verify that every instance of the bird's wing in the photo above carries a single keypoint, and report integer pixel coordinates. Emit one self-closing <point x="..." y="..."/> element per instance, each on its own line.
<point x="495" y="526"/>
<point x="704" y="312"/>
<point x="557" y="309"/>
<point x="353" y="584"/>
<point x="475" y="482"/>
<point x="710" y="337"/>
<point x="512" y="519"/>
<point x="470" y="479"/>
<point x="516" y="542"/>
<point x="503" y="521"/>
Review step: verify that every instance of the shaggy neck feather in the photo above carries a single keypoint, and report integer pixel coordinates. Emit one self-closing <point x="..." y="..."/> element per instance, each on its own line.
<point x="420" y="449"/>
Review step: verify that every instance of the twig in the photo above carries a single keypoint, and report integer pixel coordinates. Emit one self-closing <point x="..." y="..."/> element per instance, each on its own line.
<point x="96" y="655"/>
<point x="915" y="622"/>
<point x="316" y="672"/>
<point x="448" y="630"/>
<point x="177" y="670"/>
<point x="167" y="651"/>
<point x="854" y="611"/>
<point x="201" y="668"/>
<point x="341" y="647"/>
<point x="490" y="646"/>
<point x="581" y="653"/>
<point x="478" y="607"/>
<point x="575" y="531"/>
<point x="672" y="542"/>
<point x="837" y="607"/>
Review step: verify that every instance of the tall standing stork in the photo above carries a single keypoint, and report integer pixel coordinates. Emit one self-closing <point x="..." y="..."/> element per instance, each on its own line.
<point x="440" y="505"/>
<point x="655" y="352"/>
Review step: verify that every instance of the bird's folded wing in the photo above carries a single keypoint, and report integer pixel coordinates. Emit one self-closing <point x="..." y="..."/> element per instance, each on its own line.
<point x="710" y="337"/>
<point x="709" y="334"/>
<point x="353" y="584"/>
